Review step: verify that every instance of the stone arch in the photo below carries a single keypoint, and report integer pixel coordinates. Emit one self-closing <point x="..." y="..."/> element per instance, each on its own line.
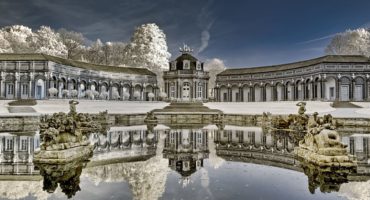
<point x="298" y="90"/>
<point x="82" y="88"/>
<point x="344" y="88"/>
<point x="289" y="91"/>
<point x="268" y="89"/>
<point x="330" y="88"/>
<point x="115" y="91"/>
<point x="149" y="89"/>
<point x="246" y="92"/>
<point x="279" y="91"/>
<point x="359" y="88"/>
<point x="138" y="92"/>
<point x="257" y="92"/>
<point x="39" y="88"/>
<point x="224" y="96"/>
<point x="235" y="95"/>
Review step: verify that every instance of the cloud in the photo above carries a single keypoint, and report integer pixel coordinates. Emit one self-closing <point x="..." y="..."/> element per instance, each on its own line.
<point x="205" y="22"/>
<point x="318" y="39"/>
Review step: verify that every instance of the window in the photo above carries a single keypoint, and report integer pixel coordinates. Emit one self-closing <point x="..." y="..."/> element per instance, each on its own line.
<point x="10" y="89"/>
<point x="9" y="144"/>
<point x="24" y="89"/>
<point x="172" y="90"/>
<point x="199" y="67"/>
<point x="186" y="64"/>
<point x="24" y="144"/>
<point x="200" y="90"/>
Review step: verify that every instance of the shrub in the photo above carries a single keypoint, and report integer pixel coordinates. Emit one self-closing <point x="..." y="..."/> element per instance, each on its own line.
<point x="74" y="93"/>
<point x="23" y="102"/>
<point x="53" y="92"/>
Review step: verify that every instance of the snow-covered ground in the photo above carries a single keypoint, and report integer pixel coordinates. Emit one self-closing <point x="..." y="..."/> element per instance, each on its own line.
<point x="88" y="106"/>
<point x="126" y="107"/>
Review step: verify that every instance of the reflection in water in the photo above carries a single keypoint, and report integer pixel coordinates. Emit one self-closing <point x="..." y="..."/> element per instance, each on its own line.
<point x="67" y="176"/>
<point x="185" y="150"/>
<point x="16" y="153"/>
<point x="147" y="157"/>
<point x="328" y="179"/>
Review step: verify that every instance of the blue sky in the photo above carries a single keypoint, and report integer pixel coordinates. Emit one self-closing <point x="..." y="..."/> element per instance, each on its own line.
<point x="241" y="32"/>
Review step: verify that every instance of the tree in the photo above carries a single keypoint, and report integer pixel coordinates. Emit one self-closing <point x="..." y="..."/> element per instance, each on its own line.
<point x="46" y="41"/>
<point x="16" y="36"/>
<point x="213" y="67"/>
<point x="95" y="53"/>
<point x="350" y="42"/>
<point x="73" y="41"/>
<point x="5" y="46"/>
<point x="148" y="48"/>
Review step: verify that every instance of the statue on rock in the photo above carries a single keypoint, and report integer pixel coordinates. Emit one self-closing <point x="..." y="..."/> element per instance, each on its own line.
<point x="61" y="132"/>
<point x="322" y="145"/>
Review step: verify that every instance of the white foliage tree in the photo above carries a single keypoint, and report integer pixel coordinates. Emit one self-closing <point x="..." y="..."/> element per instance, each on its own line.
<point x="46" y="41"/>
<point x="16" y="36"/>
<point x="73" y="41"/>
<point x="350" y="42"/>
<point x="5" y="46"/>
<point x="148" y="48"/>
<point x="137" y="95"/>
<point x="95" y="53"/>
<point x="213" y="67"/>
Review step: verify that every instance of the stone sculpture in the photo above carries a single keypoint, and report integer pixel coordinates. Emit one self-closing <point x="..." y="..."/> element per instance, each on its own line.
<point x="322" y="146"/>
<point x="62" y="132"/>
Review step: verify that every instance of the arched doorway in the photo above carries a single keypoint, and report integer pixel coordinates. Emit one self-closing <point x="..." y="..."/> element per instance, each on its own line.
<point x="344" y="88"/>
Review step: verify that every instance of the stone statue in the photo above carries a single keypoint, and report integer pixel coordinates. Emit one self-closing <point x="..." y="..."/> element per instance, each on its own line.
<point x="60" y="132"/>
<point x="302" y="107"/>
<point x="322" y="145"/>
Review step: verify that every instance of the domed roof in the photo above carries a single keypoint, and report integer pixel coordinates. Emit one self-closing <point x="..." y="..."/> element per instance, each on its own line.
<point x="186" y="56"/>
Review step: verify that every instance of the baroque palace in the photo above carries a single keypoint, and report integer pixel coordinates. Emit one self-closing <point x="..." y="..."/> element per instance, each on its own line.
<point x="327" y="78"/>
<point x="27" y="76"/>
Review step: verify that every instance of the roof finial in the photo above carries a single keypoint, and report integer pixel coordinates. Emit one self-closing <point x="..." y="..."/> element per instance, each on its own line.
<point x="185" y="49"/>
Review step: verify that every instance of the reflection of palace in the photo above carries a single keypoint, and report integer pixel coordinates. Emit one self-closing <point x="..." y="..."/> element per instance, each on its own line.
<point x="16" y="153"/>
<point x="185" y="150"/>
<point x="358" y="145"/>
<point x="252" y="138"/>
<point x="125" y="142"/>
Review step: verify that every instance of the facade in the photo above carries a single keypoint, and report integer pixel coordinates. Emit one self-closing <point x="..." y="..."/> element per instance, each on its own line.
<point x="26" y="76"/>
<point x="186" y="80"/>
<point x="327" y="78"/>
<point x="185" y="150"/>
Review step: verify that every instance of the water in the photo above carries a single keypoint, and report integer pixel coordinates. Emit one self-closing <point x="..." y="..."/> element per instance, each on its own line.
<point x="177" y="162"/>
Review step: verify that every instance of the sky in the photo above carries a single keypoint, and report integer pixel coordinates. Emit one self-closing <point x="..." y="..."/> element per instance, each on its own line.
<point x="242" y="33"/>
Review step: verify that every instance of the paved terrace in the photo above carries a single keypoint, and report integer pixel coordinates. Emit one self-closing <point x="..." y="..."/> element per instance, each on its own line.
<point x="135" y="107"/>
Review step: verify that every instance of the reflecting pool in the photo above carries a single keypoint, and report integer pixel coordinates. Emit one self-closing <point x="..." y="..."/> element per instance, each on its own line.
<point x="181" y="162"/>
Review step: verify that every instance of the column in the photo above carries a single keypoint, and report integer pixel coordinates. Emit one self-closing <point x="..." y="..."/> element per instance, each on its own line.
<point x="366" y="93"/>
<point x="351" y="90"/>
<point x="229" y="95"/>
<point x="337" y="85"/>
<point x="241" y="94"/>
